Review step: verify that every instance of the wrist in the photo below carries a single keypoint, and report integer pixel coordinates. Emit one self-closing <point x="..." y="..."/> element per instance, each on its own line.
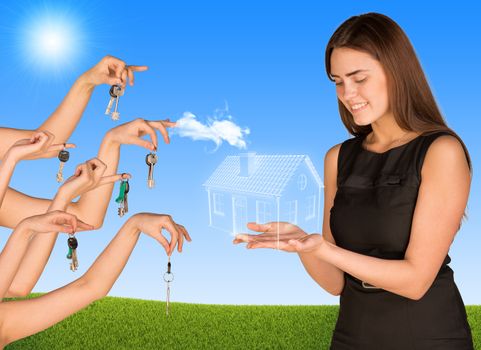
<point x="132" y="225"/>
<point x="9" y="160"/>
<point x="85" y="82"/>
<point x="60" y="201"/>
<point x="322" y="251"/>
<point x="23" y="230"/>
<point x="109" y="140"/>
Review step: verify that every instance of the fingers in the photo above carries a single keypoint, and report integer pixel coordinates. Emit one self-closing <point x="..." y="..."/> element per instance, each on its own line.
<point x="184" y="234"/>
<point x="130" y="72"/>
<point x="82" y="226"/>
<point x="68" y="222"/>
<point x="259" y="227"/>
<point x="181" y="239"/>
<point x="80" y="169"/>
<point x="60" y="146"/>
<point x="124" y="78"/>
<point x="272" y="245"/>
<point x="134" y="140"/>
<point x="161" y="239"/>
<point x="171" y="227"/>
<point x="138" y="68"/>
<point x="96" y="169"/>
<point x="113" y="80"/>
<point x="146" y="127"/>
<point x="114" y="178"/>
<point x="142" y="128"/>
<point x="161" y="126"/>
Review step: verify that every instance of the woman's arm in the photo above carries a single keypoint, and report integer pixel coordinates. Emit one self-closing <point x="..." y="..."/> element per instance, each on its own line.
<point x="40" y="313"/>
<point x="277" y="234"/>
<point x="442" y="198"/>
<point x="16" y="246"/>
<point x="92" y="206"/>
<point x="87" y="177"/>
<point x="328" y="276"/>
<point x="39" y="143"/>
<point x="63" y="121"/>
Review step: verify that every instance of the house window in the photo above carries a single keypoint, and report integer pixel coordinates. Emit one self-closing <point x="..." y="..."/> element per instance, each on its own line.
<point x="311" y="207"/>
<point x="218" y="203"/>
<point x="263" y="212"/>
<point x="302" y="182"/>
<point x="292" y="212"/>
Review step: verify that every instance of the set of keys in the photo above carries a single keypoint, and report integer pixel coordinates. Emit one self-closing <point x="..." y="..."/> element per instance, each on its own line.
<point x="72" y="244"/>
<point x="115" y="92"/>
<point x="122" y="198"/>
<point x="168" y="278"/>
<point x="63" y="157"/>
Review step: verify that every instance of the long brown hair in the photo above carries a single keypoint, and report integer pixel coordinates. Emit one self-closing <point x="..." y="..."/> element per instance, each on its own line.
<point x="410" y="98"/>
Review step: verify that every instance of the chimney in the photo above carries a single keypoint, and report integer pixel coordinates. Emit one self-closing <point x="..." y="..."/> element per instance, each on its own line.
<point x="248" y="164"/>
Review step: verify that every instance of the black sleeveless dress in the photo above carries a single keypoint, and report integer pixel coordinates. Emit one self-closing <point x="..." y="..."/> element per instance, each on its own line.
<point x="372" y="215"/>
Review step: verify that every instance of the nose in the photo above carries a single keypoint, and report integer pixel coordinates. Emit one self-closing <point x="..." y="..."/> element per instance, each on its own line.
<point x="349" y="92"/>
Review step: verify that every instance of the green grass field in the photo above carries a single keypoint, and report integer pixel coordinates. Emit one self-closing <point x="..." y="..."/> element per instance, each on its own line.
<point x="118" y="323"/>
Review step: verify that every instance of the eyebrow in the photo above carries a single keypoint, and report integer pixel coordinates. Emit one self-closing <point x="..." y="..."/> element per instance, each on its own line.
<point x="351" y="73"/>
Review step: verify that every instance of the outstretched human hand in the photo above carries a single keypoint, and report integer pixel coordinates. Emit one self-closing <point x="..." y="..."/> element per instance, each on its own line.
<point x="87" y="176"/>
<point x="153" y="224"/>
<point x="54" y="221"/>
<point x="40" y="145"/>
<point x="132" y="133"/>
<point x="111" y="70"/>
<point x="280" y="235"/>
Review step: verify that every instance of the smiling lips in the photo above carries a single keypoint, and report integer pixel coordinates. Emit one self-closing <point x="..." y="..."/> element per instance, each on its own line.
<point x="358" y="107"/>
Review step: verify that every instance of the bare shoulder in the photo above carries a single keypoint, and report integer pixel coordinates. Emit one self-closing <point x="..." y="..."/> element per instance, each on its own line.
<point x="445" y="151"/>
<point x="332" y="155"/>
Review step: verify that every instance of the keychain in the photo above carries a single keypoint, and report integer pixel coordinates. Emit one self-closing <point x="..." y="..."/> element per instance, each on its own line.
<point x="151" y="160"/>
<point x="63" y="157"/>
<point x="122" y="198"/>
<point x="72" y="244"/>
<point x="168" y="278"/>
<point x="115" y="92"/>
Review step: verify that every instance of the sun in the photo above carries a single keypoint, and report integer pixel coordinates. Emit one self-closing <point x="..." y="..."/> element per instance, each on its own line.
<point x="52" y="41"/>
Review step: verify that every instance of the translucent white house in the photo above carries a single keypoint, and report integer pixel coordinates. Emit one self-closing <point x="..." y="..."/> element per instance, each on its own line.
<point x="264" y="188"/>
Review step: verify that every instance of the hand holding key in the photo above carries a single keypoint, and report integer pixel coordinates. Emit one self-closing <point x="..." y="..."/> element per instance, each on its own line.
<point x="132" y="133"/>
<point x="87" y="176"/>
<point x="153" y="224"/>
<point x="54" y="221"/>
<point x="40" y="145"/>
<point x="112" y="71"/>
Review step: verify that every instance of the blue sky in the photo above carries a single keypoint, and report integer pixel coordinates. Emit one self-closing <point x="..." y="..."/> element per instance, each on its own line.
<point x="265" y="59"/>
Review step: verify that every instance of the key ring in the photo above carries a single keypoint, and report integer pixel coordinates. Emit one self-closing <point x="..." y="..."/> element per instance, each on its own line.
<point x="168" y="276"/>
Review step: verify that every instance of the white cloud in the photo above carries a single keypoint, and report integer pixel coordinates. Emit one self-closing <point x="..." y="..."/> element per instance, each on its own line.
<point x="215" y="130"/>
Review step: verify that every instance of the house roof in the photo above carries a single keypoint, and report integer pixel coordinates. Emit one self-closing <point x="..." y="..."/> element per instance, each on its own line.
<point x="271" y="176"/>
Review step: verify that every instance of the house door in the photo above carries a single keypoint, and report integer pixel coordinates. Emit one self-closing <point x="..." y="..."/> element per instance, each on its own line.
<point x="239" y="206"/>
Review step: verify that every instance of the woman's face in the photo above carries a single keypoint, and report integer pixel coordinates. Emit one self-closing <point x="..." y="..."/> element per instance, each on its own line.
<point x="361" y="85"/>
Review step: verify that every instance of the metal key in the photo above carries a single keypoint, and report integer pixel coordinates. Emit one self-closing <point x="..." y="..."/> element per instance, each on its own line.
<point x="168" y="278"/>
<point x="117" y="91"/>
<point x="63" y="157"/>
<point x="121" y="199"/>
<point x="151" y="160"/>
<point x="126" y="203"/>
<point x="109" y="106"/>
